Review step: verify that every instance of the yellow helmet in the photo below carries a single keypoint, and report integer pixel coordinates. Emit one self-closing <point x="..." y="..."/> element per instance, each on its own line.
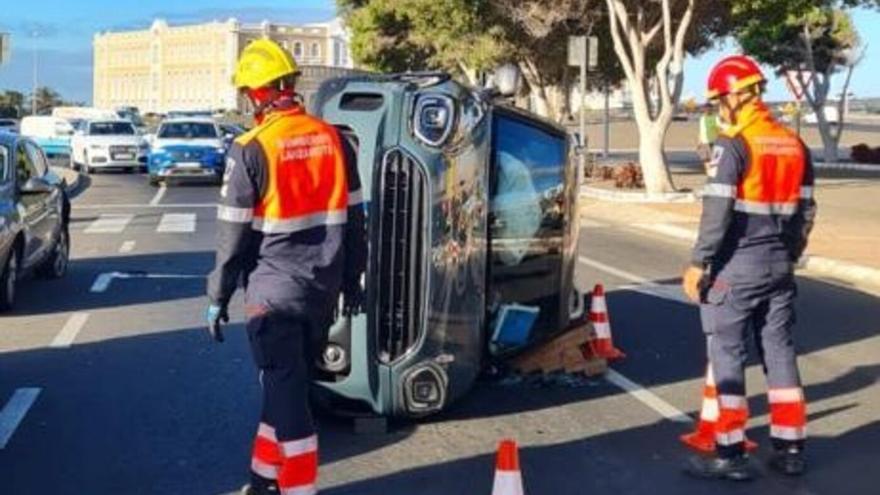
<point x="262" y="62"/>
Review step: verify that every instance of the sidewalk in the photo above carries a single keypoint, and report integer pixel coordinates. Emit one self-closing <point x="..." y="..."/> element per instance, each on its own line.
<point x="844" y="244"/>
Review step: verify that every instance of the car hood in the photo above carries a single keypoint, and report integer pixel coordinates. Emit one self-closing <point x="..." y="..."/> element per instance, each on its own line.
<point x="188" y="143"/>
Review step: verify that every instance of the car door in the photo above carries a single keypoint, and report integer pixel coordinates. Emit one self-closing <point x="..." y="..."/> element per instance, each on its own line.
<point x="526" y="231"/>
<point x="33" y="210"/>
<point x="49" y="203"/>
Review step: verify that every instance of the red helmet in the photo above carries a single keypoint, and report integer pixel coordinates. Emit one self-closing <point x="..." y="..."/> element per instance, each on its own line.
<point x="732" y="75"/>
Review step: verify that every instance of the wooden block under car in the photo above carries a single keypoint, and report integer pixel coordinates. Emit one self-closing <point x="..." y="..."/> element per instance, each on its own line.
<point x="565" y="352"/>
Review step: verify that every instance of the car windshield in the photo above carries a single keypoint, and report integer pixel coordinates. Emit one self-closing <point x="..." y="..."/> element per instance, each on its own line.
<point x="111" y="129"/>
<point x="188" y="130"/>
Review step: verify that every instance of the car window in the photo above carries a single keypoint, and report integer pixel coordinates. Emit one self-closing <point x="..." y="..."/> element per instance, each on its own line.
<point x="188" y="130"/>
<point x="4" y="164"/>
<point x="38" y="159"/>
<point x="24" y="165"/>
<point x="111" y="129"/>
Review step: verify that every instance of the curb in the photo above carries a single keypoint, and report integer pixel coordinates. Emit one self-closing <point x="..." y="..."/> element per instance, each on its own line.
<point x="859" y="276"/>
<point x="637" y="197"/>
<point x="861" y="167"/>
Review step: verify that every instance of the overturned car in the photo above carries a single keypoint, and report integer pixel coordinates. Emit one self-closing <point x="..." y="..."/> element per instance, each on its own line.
<point x="472" y="233"/>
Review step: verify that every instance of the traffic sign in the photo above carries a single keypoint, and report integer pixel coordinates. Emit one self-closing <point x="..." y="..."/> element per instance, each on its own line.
<point x="583" y="51"/>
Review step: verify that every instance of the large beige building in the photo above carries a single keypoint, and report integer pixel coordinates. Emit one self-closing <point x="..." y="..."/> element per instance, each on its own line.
<point x="190" y="67"/>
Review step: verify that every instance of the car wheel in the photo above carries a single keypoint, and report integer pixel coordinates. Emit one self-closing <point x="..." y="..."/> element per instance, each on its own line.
<point x="56" y="265"/>
<point x="8" y="281"/>
<point x="154" y="181"/>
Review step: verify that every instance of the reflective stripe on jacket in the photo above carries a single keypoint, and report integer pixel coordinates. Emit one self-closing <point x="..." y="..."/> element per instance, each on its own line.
<point x="758" y="205"/>
<point x="290" y="220"/>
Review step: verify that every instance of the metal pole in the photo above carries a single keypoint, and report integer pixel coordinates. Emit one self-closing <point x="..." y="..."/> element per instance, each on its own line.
<point x="583" y="116"/>
<point x="798" y="111"/>
<point x="34" y="90"/>
<point x="607" y="122"/>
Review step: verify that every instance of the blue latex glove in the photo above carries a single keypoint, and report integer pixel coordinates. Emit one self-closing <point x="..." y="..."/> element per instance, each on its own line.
<point x="216" y="315"/>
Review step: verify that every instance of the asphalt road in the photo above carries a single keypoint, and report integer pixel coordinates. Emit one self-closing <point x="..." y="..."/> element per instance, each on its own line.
<point x="120" y="391"/>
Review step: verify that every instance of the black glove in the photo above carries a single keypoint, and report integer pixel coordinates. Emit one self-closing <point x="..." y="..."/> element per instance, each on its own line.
<point x="215" y="315"/>
<point x="353" y="300"/>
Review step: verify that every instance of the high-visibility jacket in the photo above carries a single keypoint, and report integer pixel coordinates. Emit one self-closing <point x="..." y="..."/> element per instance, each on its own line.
<point x="290" y="220"/>
<point x="758" y="203"/>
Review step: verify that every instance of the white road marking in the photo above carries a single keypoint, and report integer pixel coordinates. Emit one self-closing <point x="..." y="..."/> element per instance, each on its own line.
<point x="109" y="223"/>
<point x="669" y="230"/>
<point x="102" y="282"/>
<point x="70" y="330"/>
<point x="177" y="223"/>
<point x="647" y="398"/>
<point x="159" y="195"/>
<point x="634" y="389"/>
<point x="142" y="206"/>
<point x="14" y="412"/>
<point x="127" y="247"/>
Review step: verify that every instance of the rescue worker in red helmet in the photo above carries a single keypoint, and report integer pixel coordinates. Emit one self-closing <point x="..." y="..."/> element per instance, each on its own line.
<point x="291" y="229"/>
<point x="758" y="210"/>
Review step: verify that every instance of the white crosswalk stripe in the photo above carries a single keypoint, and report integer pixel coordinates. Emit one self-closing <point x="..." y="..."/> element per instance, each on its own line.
<point x="109" y="223"/>
<point x="177" y="223"/>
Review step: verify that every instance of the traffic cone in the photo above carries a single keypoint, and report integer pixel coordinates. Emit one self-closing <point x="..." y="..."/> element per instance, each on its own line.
<point x="702" y="439"/>
<point x="603" y="346"/>
<point x="508" y="478"/>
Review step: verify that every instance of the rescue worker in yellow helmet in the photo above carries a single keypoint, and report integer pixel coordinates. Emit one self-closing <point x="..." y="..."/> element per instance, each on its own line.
<point x="291" y="229"/>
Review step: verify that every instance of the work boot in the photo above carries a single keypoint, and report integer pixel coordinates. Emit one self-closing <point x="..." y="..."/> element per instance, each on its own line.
<point x="260" y="487"/>
<point x="734" y="469"/>
<point x="790" y="461"/>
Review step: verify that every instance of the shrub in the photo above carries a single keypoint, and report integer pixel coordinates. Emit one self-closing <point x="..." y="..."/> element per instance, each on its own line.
<point x="629" y="176"/>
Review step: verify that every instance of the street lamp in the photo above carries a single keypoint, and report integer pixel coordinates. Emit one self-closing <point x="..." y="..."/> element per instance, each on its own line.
<point x="34" y="35"/>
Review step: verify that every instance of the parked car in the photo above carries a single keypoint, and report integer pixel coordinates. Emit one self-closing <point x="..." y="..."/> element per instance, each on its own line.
<point x="472" y="241"/>
<point x="52" y="134"/>
<point x="108" y="144"/>
<point x="34" y="217"/>
<point x="188" y="148"/>
<point x="230" y="132"/>
<point x="8" y="125"/>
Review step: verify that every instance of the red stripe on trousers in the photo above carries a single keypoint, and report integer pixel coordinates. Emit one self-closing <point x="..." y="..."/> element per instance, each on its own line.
<point x="791" y="414"/>
<point x="301" y="470"/>
<point x="267" y="451"/>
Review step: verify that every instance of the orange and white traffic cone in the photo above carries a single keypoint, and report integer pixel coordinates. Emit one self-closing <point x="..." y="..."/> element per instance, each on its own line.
<point x="508" y="478"/>
<point x="702" y="439"/>
<point x="603" y="346"/>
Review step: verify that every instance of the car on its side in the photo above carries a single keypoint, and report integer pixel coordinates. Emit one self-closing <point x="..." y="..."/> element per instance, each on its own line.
<point x="52" y="134"/>
<point x="34" y="217"/>
<point x="472" y="240"/>
<point x="187" y="148"/>
<point x="9" y="125"/>
<point x="108" y="144"/>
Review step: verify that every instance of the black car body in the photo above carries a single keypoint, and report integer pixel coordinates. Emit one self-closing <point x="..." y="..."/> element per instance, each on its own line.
<point x="471" y="208"/>
<point x="34" y="215"/>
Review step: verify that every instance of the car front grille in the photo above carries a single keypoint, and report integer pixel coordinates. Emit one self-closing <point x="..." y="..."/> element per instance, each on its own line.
<point x="117" y="149"/>
<point x="402" y="190"/>
<point x="186" y="155"/>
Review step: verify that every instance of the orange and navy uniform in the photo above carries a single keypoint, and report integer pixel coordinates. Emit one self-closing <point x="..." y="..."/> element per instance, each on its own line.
<point x="291" y="219"/>
<point x="758" y="210"/>
<point x="758" y="203"/>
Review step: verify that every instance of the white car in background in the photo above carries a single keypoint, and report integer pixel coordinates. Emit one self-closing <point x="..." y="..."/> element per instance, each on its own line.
<point x="108" y="144"/>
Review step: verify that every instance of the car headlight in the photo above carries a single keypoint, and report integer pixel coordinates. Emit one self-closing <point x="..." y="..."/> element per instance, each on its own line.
<point x="433" y="119"/>
<point x="220" y="149"/>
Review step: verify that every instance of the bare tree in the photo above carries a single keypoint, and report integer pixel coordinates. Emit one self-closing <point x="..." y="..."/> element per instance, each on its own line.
<point x="635" y="26"/>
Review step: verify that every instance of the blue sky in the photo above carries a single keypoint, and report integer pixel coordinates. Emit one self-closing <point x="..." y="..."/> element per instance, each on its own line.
<point x="66" y="28"/>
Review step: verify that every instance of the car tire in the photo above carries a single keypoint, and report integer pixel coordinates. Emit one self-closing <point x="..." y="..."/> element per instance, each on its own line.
<point x="9" y="281"/>
<point x="56" y="264"/>
<point x="154" y="181"/>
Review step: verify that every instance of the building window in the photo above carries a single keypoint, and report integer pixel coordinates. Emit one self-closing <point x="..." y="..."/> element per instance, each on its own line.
<point x="337" y="54"/>
<point x="297" y="49"/>
<point x="316" y="50"/>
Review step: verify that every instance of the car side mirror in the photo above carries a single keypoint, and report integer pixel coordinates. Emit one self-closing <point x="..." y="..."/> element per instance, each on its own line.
<point x="35" y="185"/>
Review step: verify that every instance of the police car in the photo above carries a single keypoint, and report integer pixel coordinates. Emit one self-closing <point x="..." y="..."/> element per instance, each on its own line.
<point x="187" y="149"/>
